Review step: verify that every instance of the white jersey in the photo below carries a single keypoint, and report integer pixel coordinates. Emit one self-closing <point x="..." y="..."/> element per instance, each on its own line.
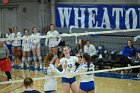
<point x="16" y="42"/>
<point x="51" y="83"/>
<point x="91" y="50"/>
<point x="35" y="40"/>
<point x="26" y="44"/>
<point x="53" y="41"/>
<point x="70" y="65"/>
<point x="84" y="68"/>
<point x="9" y="42"/>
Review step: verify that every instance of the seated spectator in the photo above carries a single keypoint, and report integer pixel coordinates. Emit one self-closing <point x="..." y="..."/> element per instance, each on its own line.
<point x="89" y="48"/>
<point x="28" y="83"/>
<point x="129" y="52"/>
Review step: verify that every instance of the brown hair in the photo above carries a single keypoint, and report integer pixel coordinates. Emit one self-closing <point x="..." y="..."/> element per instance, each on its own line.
<point x="28" y="81"/>
<point x="10" y="30"/>
<point x="33" y="29"/>
<point x="14" y="28"/>
<point x="25" y="29"/>
<point x="81" y="45"/>
<point x="130" y="41"/>
<point x="47" y="59"/>
<point x="87" y="57"/>
<point x="51" y="25"/>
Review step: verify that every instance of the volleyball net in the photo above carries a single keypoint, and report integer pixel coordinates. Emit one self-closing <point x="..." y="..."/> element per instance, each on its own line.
<point x="109" y="45"/>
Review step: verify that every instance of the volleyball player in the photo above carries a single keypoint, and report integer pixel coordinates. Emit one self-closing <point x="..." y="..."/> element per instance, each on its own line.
<point x="9" y="43"/>
<point x="36" y="47"/>
<point x="28" y="84"/>
<point x="16" y="45"/>
<point x="86" y="80"/>
<point x="50" y="85"/>
<point x="26" y="48"/>
<point x="53" y="42"/>
<point x="69" y="81"/>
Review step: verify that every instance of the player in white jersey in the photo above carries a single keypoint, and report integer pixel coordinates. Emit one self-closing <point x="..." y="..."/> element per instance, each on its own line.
<point x="16" y="45"/>
<point x="53" y="42"/>
<point x="86" y="80"/>
<point x="69" y="81"/>
<point x="50" y="85"/>
<point x="26" y="47"/>
<point x="36" y="47"/>
<point x="9" y="42"/>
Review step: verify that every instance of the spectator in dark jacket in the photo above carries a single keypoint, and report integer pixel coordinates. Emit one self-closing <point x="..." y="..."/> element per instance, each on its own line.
<point x="129" y="52"/>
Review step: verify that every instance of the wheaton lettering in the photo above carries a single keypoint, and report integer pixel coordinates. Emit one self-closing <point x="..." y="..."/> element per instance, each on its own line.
<point x="95" y="17"/>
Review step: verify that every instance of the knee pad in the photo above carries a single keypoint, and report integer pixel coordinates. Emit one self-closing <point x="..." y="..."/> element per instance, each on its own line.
<point x="23" y="59"/>
<point x="13" y="57"/>
<point x="34" y="58"/>
<point x="29" y="59"/>
<point x="39" y="58"/>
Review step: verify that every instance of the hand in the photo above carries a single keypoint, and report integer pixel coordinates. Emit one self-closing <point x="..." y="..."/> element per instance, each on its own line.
<point x="129" y="58"/>
<point x="139" y="55"/>
<point x="7" y="57"/>
<point x="68" y="69"/>
<point x="135" y="38"/>
<point x="66" y="64"/>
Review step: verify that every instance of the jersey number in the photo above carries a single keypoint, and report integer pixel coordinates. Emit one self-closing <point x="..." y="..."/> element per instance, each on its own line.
<point x="90" y="70"/>
<point x="70" y="65"/>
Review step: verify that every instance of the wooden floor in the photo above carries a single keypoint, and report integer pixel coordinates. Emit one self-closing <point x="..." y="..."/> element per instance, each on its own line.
<point x="103" y="85"/>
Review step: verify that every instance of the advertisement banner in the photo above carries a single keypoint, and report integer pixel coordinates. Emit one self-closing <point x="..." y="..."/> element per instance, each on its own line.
<point x="98" y="16"/>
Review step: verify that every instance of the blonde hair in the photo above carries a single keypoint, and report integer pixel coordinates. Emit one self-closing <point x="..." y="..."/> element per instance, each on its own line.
<point x="47" y="59"/>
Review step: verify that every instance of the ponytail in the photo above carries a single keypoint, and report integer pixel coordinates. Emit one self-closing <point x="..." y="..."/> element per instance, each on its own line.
<point x="87" y="59"/>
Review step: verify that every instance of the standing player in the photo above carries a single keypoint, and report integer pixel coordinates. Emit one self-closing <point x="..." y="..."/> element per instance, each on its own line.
<point x="36" y="47"/>
<point x="9" y="43"/>
<point x="50" y="85"/>
<point x="16" y="45"/>
<point x="53" y="41"/>
<point x="69" y="81"/>
<point x="86" y="80"/>
<point x="26" y="47"/>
